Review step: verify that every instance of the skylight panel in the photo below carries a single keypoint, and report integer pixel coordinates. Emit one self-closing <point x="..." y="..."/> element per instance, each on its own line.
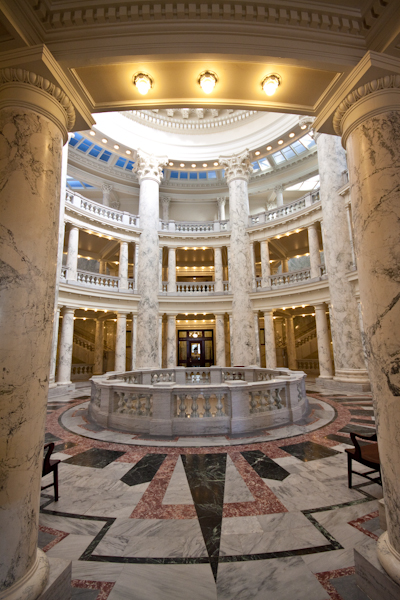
<point x="105" y="156"/>
<point x="121" y="162"/>
<point x="193" y="175"/>
<point x="75" y="185"/>
<point x="278" y="157"/>
<point x="202" y="175"/>
<point x="264" y="164"/>
<point x="308" y="141"/>
<point x="174" y="175"/>
<point x="95" y="151"/>
<point x="85" y="145"/>
<point x="129" y="165"/>
<point x="183" y="175"/>
<point x="75" y="139"/>
<point x="298" y="147"/>
<point x="288" y="152"/>
<point x="256" y="166"/>
<point x="212" y="175"/>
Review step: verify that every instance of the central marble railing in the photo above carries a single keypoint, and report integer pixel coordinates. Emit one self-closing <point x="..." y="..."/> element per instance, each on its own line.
<point x="100" y="210"/>
<point x="194" y="226"/>
<point x="90" y="279"/>
<point x="285" y="210"/>
<point x="213" y="400"/>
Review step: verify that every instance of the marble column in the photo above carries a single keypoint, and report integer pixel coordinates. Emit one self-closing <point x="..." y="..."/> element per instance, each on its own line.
<point x="265" y="265"/>
<point x="313" y="248"/>
<point x="66" y="345"/>
<point x="221" y="208"/>
<point x="123" y="265"/>
<point x="165" y="201"/>
<point x="269" y="335"/>
<point x="160" y="269"/>
<point x="230" y="322"/>
<point x="323" y="342"/>
<point x="278" y="189"/>
<point x="350" y="226"/>
<point x="160" y="341"/>
<point x="98" y="348"/>
<point x="133" y="342"/>
<point x="106" y="187"/>
<point x="369" y="122"/>
<point x="291" y="344"/>
<point x="73" y="249"/>
<point x="218" y="272"/>
<point x="120" y="344"/>
<point x="237" y="172"/>
<point x="285" y="265"/>
<point x="54" y="347"/>
<point x="348" y="354"/>
<point x="171" y="342"/>
<point x="172" y="270"/>
<point x="219" y="341"/>
<point x="149" y="171"/>
<point x="253" y="264"/>
<point x="257" y="338"/>
<point x="135" y="266"/>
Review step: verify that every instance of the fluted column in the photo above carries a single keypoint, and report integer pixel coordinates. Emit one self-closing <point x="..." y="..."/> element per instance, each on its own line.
<point x="106" y="187"/>
<point x="98" y="348"/>
<point x="218" y="273"/>
<point x="323" y="342"/>
<point x="291" y="344"/>
<point x="219" y="341"/>
<point x="237" y="173"/>
<point x="278" y="189"/>
<point x="348" y="354"/>
<point x="120" y="343"/>
<point x="257" y="338"/>
<point x="269" y="335"/>
<point x="123" y="266"/>
<point x="221" y="208"/>
<point x="149" y="171"/>
<point x="73" y="249"/>
<point x="172" y="270"/>
<point x="313" y="247"/>
<point x="171" y="342"/>
<point x="133" y="342"/>
<point x="265" y="265"/>
<point x="165" y="201"/>
<point x="369" y="122"/>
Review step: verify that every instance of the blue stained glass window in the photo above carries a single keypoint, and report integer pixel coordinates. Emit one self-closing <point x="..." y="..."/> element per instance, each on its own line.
<point x="120" y="162"/>
<point x="74" y="140"/>
<point x="212" y="175"/>
<point x="85" y="145"/>
<point x="193" y="176"/>
<point x="105" y="156"/>
<point x="174" y="175"/>
<point x="129" y="166"/>
<point x="202" y="175"/>
<point x="95" y="151"/>
<point x="183" y="175"/>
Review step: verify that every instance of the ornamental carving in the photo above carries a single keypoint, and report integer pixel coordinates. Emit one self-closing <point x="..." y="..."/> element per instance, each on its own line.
<point x="148" y="166"/>
<point x="9" y="75"/>
<point x="383" y="83"/>
<point x="237" y="166"/>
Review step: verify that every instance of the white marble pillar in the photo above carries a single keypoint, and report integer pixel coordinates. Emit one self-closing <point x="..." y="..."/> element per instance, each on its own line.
<point x="348" y="354"/>
<point x="237" y="173"/>
<point x="73" y="249"/>
<point x="221" y="208"/>
<point x="230" y="322"/>
<point x="106" y="187"/>
<point x="323" y="342"/>
<point x="120" y="344"/>
<point x="257" y="338"/>
<point x="98" y="348"/>
<point x="291" y="344"/>
<point x="160" y="341"/>
<point x="135" y="266"/>
<point x="160" y="269"/>
<point x="285" y="265"/>
<point x="149" y="171"/>
<point x="219" y="341"/>
<point x="123" y="265"/>
<point x="66" y="346"/>
<point x="133" y="342"/>
<point x="165" y="201"/>
<point x="269" y="336"/>
<point x="278" y="189"/>
<point x="171" y="342"/>
<point x="265" y="265"/>
<point x="34" y="119"/>
<point x="218" y="272"/>
<point x="370" y="128"/>
<point x="172" y="270"/>
<point x="350" y="226"/>
<point x="54" y="347"/>
<point x="253" y="264"/>
<point x="313" y="248"/>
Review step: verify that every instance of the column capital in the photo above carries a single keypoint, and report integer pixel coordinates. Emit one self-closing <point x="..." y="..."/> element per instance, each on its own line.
<point x="237" y="166"/>
<point x="368" y="100"/>
<point x="165" y="200"/>
<point x="278" y="188"/>
<point x="221" y="200"/>
<point x="306" y="122"/>
<point x="106" y="187"/>
<point x="67" y="310"/>
<point x="149" y="166"/>
<point x="123" y="313"/>
<point x="39" y="94"/>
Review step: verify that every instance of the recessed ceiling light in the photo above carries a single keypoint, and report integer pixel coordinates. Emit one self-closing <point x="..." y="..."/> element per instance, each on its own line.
<point x="303" y="127"/>
<point x="182" y="165"/>
<point x="292" y="134"/>
<point x="171" y="164"/>
<point x="92" y="133"/>
<point x="116" y="146"/>
<point x="104" y="141"/>
<point x="269" y="148"/>
<point x="128" y="152"/>
<point x="271" y="83"/>
<point x="257" y="153"/>
<point x="216" y="164"/>
<point x="143" y="83"/>
<point x="204" y="164"/>
<point x="193" y="166"/>
<point x="280" y="142"/>
<point x="207" y="81"/>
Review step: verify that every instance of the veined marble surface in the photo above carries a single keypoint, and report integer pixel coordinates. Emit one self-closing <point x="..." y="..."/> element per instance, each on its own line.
<point x="324" y="351"/>
<point x="220" y="340"/>
<point x="120" y="344"/>
<point x="123" y="266"/>
<point x="171" y="342"/>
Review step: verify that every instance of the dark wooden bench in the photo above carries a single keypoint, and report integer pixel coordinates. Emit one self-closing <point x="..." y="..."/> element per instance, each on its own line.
<point x="50" y="466"/>
<point x="367" y="455"/>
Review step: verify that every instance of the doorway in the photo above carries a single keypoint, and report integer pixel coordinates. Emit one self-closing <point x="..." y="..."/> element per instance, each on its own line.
<point x="196" y="348"/>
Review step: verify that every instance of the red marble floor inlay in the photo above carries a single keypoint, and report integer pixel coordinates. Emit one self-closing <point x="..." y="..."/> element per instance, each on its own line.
<point x="357" y="523"/>
<point x="326" y="577"/>
<point x="104" y="587"/>
<point x="60" y="535"/>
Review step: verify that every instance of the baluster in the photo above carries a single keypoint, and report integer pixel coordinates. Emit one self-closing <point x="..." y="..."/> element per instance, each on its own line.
<point x="299" y="392"/>
<point x="148" y="411"/>
<point x="253" y="402"/>
<point x="270" y="400"/>
<point x="207" y="406"/>
<point x="278" y="399"/>
<point x="182" y="406"/>
<point x="220" y="406"/>
<point x="195" y="407"/>
<point x="263" y="402"/>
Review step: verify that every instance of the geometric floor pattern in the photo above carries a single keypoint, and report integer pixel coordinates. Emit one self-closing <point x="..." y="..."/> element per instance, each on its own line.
<point x="271" y="521"/>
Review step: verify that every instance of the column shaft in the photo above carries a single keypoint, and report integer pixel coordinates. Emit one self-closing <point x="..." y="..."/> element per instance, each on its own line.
<point x="120" y="344"/>
<point x="257" y="339"/>
<point x="160" y="270"/>
<point x="160" y="341"/>
<point x="172" y="270"/>
<point x="291" y="344"/>
<point x="133" y="342"/>
<point x="219" y="341"/>
<point x="313" y="247"/>
<point x="218" y="273"/>
<point x="135" y="266"/>
<point x="73" y="248"/>
<point x="279" y="195"/>
<point x="123" y="266"/>
<point x="253" y="265"/>
<point x="265" y="266"/>
<point x="54" y="346"/>
<point x="269" y="335"/>
<point x="66" y="345"/>
<point x="98" y="348"/>
<point x="324" y="351"/>
<point x="171" y="342"/>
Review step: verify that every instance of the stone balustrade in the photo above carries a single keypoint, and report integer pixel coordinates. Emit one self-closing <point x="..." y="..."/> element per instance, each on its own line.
<point x="64" y="273"/>
<point x="194" y="227"/>
<point x="97" y="280"/>
<point x="83" y="343"/>
<point x="226" y="286"/>
<point x="308" y="364"/>
<point x="290" y="278"/>
<point x="105" y="212"/>
<point x="322" y="270"/>
<point x="285" y="210"/>
<point x="214" y="400"/>
<point x="81" y="372"/>
<point x="207" y="287"/>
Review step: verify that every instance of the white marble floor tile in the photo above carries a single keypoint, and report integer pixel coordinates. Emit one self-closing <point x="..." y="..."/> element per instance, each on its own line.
<point x="329" y="561"/>
<point x="237" y="525"/>
<point x="236" y="489"/>
<point x="93" y="571"/>
<point x="178" y="490"/>
<point x="71" y="547"/>
<point x="71" y="525"/>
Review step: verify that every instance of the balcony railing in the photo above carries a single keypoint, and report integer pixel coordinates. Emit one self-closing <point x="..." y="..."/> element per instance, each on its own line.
<point x="105" y="212"/>
<point x="194" y="227"/>
<point x="285" y="210"/>
<point x="308" y="364"/>
<point x="96" y="280"/>
<point x="195" y="288"/>
<point x="290" y="278"/>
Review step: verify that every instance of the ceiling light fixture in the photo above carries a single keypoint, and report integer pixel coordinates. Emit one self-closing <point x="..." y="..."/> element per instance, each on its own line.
<point x="182" y="165"/>
<point x="104" y="141"/>
<point x="216" y="164"/>
<point x="292" y="134"/>
<point x="269" y="148"/>
<point x="280" y="142"/>
<point x="92" y="133"/>
<point x="204" y="164"/>
<point x="193" y="166"/>
<point x="271" y="83"/>
<point x="207" y="81"/>
<point x="171" y="164"/>
<point x="128" y="152"/>
<point x="303" y="127"/>
<point x="116" y="147"/>
<point x="257" y="153"/>
<point x="143" y="82"/>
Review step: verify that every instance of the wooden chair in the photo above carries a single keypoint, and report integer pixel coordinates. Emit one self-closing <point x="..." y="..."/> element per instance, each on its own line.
<point x="50" y="466"/>
<point x="367" y="455"/>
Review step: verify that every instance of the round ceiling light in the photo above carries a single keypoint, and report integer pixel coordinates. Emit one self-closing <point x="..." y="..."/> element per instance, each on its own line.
<point x="269" y="148"/>
<point x="271" y="83"/>
<point x="207" y="81"/>
<point x="257" y="153"/>
<point x="143" y="82"/>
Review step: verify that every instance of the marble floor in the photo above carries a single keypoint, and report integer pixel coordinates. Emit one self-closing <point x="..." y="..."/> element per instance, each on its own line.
<point x="270" y="520"/>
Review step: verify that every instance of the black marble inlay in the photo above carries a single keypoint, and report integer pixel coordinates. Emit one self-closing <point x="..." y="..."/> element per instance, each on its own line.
<point x="50" y="437"/>
<point x="64" y="446"/>
<point x="45" y="538"/>
<point x="265" y="467"/>
<point x="83" y="594"/>
<point x="365" y="421"/>
<point x="97" y="458"/>
<point x="307" y="451"/>
<point x="144" y="470"/>
<point x="362" y="412"/>
<point x="206" y="477"/>
<point x="358" y="429"/>
<point x="347" y="588"/>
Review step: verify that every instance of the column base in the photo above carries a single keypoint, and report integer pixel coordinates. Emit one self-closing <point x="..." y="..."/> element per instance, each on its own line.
<point x="31" y="586"/>
<point x="59" y="584"/>
<point x="352" y="380"/>
<point x="371" y="577"/>
<point x="59" y="389"/>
